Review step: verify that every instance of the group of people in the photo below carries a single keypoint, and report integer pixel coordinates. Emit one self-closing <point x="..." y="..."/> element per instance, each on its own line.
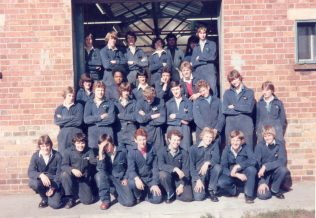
<point x="133" y="139"/>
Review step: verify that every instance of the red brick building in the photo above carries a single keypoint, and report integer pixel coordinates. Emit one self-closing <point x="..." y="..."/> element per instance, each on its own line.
<point x="37" y="62"/>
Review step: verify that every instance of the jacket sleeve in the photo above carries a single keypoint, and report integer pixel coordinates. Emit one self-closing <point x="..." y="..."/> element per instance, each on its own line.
<point x="57" y="177"/>
<point x="251" y="159"/>
<point x="75" y="119"/>
<point x="193" y="168"/>
<point x="280" y="161"/>
<point x="209" y="53"/>
<point x="121" y="58"/>
<point x="162" y="165"/>
<point x="187" y="116"/>
<point x="224" y="162"/>
<point x="160" y="120"/>
<point x="176" y="121"/>
<point x="33" y="172"/>
<point x="105" y="59"/>
<point x="110" y="118"/>
<point x="248" y="104"/>
<point x="186" y="168"/>
<point x="131" y="169"/>
<point x="220" y="120"/>
<point x="154" y="64"/>
<point x="226" y="103"/>
<point x="215" y="154"/>
<point x="88" y="117"/>
<point x="140" y="118"/>
<point x="197" y="117"/>
<point x="142" y="60"/>
<point x="282" y="117"/>
<point x="195" y="63"/>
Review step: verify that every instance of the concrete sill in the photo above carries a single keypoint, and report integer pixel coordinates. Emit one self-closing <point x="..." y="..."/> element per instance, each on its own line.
<point x="305" y="67"/>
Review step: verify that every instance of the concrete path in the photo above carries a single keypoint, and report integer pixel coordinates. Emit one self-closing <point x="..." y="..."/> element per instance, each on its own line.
<point x="302" y="196"/>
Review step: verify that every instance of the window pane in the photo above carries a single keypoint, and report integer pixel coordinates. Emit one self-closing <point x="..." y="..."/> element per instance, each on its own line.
<point x="306" y="41"/>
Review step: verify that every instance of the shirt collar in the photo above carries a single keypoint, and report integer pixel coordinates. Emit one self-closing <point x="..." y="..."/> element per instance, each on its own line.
<point x="189" y="80"/>
<point x="142" y="87"/>
<point x="50" y="155"/>
<point x="159" y="52"/>
<point x="234" y="152"/>
<point x="113" y="49"/>
<point x="273" y="143"/>
<point x="173" y="153"/>
<point x="202" y="144"/>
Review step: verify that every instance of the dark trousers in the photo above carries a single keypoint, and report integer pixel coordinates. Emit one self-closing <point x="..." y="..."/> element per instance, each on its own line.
<point x="170" y="181"/>
<point x="109" y="184"/>
<point x="77" y="187"/>
<point x="228" y="185"/>
<point x="54" y="201"/>
<point x="274" y="180"/>
<point x="210" y="181"/>
<point x="141" y="194"/>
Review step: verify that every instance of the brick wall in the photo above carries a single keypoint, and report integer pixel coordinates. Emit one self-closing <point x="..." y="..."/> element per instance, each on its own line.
<point x="36" y="62"/>
<point x="259" y="40"/>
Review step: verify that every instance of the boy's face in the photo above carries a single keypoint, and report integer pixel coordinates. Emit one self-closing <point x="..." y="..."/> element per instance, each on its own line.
<point x="204" y="91"/>
<point x="80" y="145"/>
<point x="88" y="41"/>
<point x="141" y="142"/>
<point x="202" y="35"/>
<point x="236" y="83"/>
<point x="87" y="85"/>
<point x="165" y="77"/>
<point x="112" y="42"/>
<point x="174" y="142"/>
<point x="171" y="42"/>
<point x="131" y="40"/>
<point x="267" y="93"/>
<point x="235" y="143"/>
<point x="69" y="98"/>
<point x="125" y="94"/>
<point x="186" y="73"/>
<point x="176" y="91"/>
<point x="45" y="149"/>
<point x="141" y="80"/>
<point x="268" y="138"/>
<point x="158" y="45"/>
<point x="99" y="93"/>
<point x="207" y="138"/>
<point x="118" y="77"/>
<point x="109" y="148"/>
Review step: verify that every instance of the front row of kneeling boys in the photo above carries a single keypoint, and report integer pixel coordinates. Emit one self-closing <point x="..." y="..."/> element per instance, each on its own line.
<point x="139" y="172"/>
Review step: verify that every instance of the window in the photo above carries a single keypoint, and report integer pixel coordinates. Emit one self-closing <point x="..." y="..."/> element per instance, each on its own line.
<point x="306" y="42"/>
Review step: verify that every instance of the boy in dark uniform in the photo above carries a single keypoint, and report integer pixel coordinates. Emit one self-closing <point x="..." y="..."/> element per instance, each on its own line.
<point x="44" y="173"/>
<point x="271" y="157"/>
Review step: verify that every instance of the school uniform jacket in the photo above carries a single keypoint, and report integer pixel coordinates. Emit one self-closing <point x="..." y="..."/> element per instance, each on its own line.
<point x="82" y="161"/>
<point x="200" y="155"/>
<point x="145" y="168"/>
<point x="208" y="56"/>
<point x="167" y="163"/>
<point x="139" y="58"/>
<point x="52" y="170"/>
<point x="245" y="158"/>
<point x="272" y="156"/>
<point x="108" y="55"/>
<point x="208" y="114"/>
<point x="183" y="113"/>
<point x="117" y="168"/>
<point x="155" y="62"/>
<point x="82" y="96"/>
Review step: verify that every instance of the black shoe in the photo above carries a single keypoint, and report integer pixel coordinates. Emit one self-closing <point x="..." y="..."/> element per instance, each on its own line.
<point x="43" y="204"/>
<point x="70" y="203"/>
<point x="249" y="200"/>
<point x="279" y="195"/>
<point x="138" y="200"/>
<point x="213" y="196"/>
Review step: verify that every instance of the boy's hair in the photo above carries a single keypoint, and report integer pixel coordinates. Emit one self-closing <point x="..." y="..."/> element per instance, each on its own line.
<point x="89" y="35"/>
<point x="125" y="86"/>
<point x="268" y="85"/>
<point x="110" y="35"/>
<point x="207" y="130"/>
<point x="98" y="84"/>
<point x="171" y="36"/>
<point x="166" y="69"/>
<point x="174" y="84"/>
<point x="239" y="134"/>
<point x="105" y="137"/>
<point x="156" y="40"/>
<point x="142" y="73"/>
<point x="174" y="132"/>
<point x="149" y="92"/>
<point x="44" y="140"/>
<point x="200" y="29"/>
<point x="85" y="77"/>
<point x="200" y="84"/>
<point x="79" y="137"/>
<point x="140" y="132"/>
<point x="68" y="90"/>
<point x="130" y="33"/>
<point x="185" y="64"/>
<point x="268" y="129"/>
<point x="234" y="74"/>
<point x="118" y="69"/>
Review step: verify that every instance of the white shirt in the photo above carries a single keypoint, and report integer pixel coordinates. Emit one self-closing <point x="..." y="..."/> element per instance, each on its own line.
<point x="202" y="44"/>
<point x="178" y="101"/>
<point x="132" y="49"/>
<point x="45" y="157"/>
<point x="234" y="152"/>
